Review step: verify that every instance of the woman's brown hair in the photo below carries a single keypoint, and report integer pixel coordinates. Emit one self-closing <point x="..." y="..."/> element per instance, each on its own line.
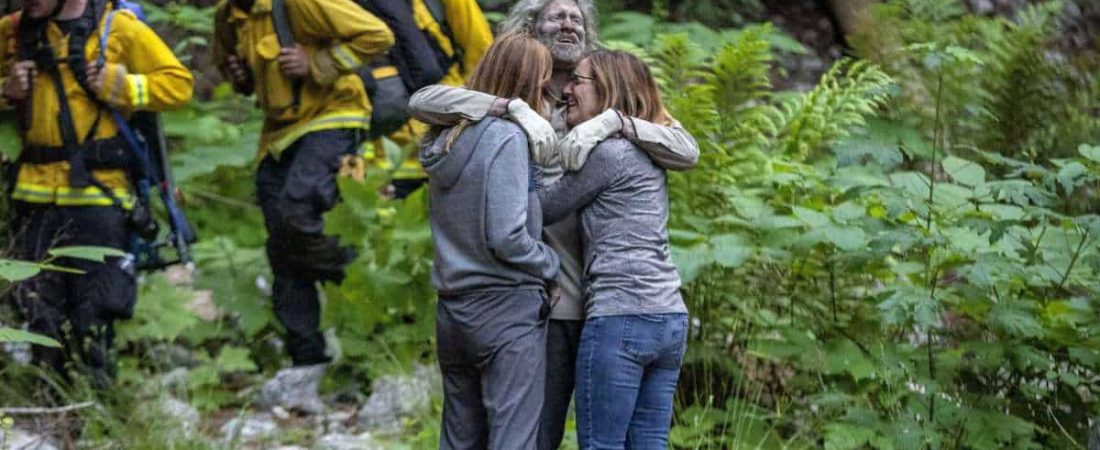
<point x="516" y="66"/>
<point x="624" y="82"/>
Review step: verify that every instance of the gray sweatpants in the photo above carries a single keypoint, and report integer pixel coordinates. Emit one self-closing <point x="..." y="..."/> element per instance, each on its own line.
<point x="492" y="353"/>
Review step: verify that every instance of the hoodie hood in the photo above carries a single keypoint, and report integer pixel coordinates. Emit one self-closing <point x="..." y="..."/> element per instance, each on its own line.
<point x="445" y="167"/>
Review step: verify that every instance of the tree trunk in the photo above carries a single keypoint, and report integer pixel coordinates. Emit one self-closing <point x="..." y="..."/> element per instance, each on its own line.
<point x="852" y="15"/>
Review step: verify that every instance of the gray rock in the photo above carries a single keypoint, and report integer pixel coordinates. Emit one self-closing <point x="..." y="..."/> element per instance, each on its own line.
<point x="294" y="388"/>
<point x="17" y="438"/>
<point x="338" y="422"/>
<point x="813" y="64"/>
<point x="173" y="355"/>
<point x="1072" y="11"/>
<point x="20" y="352"/>
<point x="397" y="397"/>
<point x="176" y="379"/>
<point x="1094" y="433"/>
<point x="983" y="7"/>
<point x="186" y="416"/>
<point x="249" y="428"/>
<point x="347" y="442"/>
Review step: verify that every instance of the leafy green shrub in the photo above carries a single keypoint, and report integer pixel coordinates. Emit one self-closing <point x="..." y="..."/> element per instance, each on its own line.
<point x="871" y="282"/>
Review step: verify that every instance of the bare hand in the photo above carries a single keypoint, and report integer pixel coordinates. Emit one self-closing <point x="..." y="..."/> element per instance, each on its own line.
<point x="237" y="72"/>
<point x="294" y="62"/>
<point x="94" y="74"/>
<point x="19" y="83"/>
<point x="554" y="292"/>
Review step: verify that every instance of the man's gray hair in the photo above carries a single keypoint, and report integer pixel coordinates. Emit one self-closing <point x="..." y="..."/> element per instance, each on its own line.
<point x="524" y="16"/>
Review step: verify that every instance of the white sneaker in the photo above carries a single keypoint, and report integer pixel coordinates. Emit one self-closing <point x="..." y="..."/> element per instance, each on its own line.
<point x="295" y="388"/>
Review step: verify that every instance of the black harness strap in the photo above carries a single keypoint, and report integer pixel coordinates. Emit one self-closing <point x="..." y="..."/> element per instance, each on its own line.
<point x="285" y="36"/>
<point x="34" y="44"/>
<point x="439" y="13"/>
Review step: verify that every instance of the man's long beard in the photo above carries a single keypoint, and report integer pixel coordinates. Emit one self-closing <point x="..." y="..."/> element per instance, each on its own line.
<point x="563" y="51"/>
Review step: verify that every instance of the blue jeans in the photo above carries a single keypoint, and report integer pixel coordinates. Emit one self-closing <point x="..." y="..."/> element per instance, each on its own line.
<point x="627" y="369"/>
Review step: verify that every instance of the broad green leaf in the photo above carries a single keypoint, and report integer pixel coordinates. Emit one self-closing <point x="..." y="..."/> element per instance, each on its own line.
<point x="14" y="335"/>
<point x="1068" y="313"/>
<point x="912" y="182"/>
<point x="846" y="238"/>
<point x="235" y="359"/>
<point x="910" y="305"/>
<point x="1092" y="152"/>
<point x="1016" y="321"/>
<point x="811" y="217"/>
<point x="858" y="151"/>
<point x="1088" y="356"/>
<point x="679" y="236"/>
<point x="846" y="357"/>
<point x="98" y="254"/>
<point x="858" y="177"/>
<point x="777" y="222"/>
<point x="15" y="270"/>
<point x="160" y="315"/>
<point x="730" y="250"/>
<point x="1070" y="175"/>
<point x="1003" y="212"/>
<point x="964" y="172"/>
<point x="950" y="195"/>
<point x="842" y="436"/>
<point x="849" y="211"/>
<point x="690" y="261"/>
<point x="749" y="207"/>
<point x="967" y="240"/>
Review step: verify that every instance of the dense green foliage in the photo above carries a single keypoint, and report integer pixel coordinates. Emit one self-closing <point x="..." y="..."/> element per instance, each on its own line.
<point x="871" y="263"/>
<point x="904" y="256"/>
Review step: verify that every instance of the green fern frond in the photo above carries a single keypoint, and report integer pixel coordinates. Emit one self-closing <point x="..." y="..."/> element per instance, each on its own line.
<point x="675" y="62"/>
<point x="1027" y="90"/>
<point x="933" y="11"/>
<point x="847" y="94"/>
<point x="740" y="70"/>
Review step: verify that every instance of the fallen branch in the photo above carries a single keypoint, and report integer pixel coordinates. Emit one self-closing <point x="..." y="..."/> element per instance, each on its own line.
<point x="38" y="410"/>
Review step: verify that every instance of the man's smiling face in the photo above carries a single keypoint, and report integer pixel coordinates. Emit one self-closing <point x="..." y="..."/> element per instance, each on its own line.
<point x="560" y="27"/>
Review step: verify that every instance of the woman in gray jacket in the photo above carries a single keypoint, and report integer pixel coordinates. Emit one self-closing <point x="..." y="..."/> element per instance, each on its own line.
<point x="490" y="268"/>
<point x="635" y="332"/>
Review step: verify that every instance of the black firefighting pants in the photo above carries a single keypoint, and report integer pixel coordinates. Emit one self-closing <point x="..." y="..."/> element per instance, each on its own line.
<point x="77" y="310"/>
<point x="294" y="191"/>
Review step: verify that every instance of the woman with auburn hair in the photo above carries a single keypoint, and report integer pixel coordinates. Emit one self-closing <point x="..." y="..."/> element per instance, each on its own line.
<point x="635" y="332"/>
<point x="491" y="270"/>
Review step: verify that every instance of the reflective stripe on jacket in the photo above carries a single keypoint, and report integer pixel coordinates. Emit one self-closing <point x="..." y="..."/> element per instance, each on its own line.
<point x="141" y="73"/>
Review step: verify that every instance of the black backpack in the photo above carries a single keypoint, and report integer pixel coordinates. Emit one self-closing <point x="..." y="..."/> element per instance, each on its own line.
<point x="416" y="55"/>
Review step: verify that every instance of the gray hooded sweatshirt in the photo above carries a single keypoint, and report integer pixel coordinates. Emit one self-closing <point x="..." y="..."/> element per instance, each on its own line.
<point x="486" y="226"/>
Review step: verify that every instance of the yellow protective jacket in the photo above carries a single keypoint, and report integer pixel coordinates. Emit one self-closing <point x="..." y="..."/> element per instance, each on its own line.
<point x="472" y="34"/>
<point x="141" y="73"/>
<point x="338" y="36"/>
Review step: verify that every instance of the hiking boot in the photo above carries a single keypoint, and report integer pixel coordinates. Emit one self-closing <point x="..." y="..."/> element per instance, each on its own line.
<point x="295" y="388"/>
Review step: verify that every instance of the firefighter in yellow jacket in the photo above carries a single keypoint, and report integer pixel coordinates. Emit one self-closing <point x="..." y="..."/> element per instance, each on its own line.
<point x="73" y="185"/>
<point x="316" y="114"/>
<point x="465" y="36"/>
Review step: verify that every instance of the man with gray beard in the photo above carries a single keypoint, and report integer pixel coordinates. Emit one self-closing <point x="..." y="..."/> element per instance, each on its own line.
<point x="568" y="29"/>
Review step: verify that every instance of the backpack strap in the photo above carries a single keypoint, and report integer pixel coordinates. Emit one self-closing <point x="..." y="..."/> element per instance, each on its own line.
<point x="137" y="146"/>
<point x="281" y="20"/>
<point x="285" y="35"/>
<point x="439" y="13"/>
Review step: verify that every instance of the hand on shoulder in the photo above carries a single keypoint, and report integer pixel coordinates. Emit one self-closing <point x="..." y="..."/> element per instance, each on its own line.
<point x="582" y="139"/>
